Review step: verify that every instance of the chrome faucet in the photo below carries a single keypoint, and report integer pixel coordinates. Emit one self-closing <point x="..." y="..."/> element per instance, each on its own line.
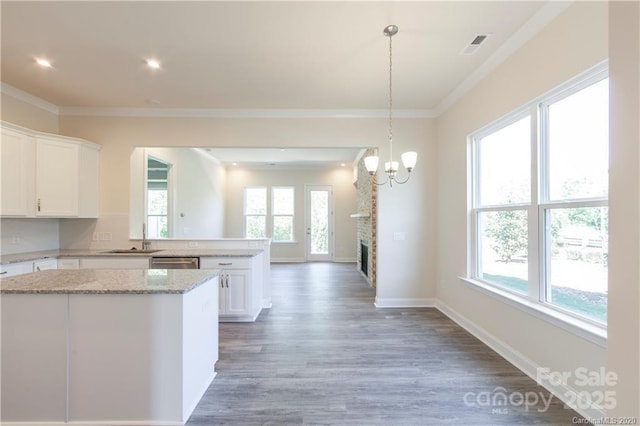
<point x="145" y="244"/>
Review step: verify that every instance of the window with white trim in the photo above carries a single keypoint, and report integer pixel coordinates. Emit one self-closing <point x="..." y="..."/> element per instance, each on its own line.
<point x="255" y="212"/>
<point x="158" y="198"/>
<point x="282" y="209"/>
<point x="539" y="200"/>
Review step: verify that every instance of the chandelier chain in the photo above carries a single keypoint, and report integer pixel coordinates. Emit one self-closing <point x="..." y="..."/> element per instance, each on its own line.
<point x="390" y="99"/>
<point x="409" y="158"/>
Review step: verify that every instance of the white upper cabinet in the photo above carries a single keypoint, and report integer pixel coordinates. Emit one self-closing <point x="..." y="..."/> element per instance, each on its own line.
<point x="55" y="176"/>
<point x="17" y="172"/>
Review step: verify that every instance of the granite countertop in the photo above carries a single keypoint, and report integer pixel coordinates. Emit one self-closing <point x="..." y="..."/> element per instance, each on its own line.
<point x="36" y="255"/>
<point x="105" y="281"/>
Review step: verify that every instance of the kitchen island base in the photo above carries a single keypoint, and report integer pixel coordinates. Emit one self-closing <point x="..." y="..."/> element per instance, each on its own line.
<point x="107" y="358"/>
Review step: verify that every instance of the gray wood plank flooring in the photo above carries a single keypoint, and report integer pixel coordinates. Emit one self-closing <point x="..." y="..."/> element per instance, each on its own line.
<point x="325" y="355"/>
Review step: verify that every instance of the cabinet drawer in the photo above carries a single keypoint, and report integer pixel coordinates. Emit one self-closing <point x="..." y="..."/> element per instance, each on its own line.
<point x="225" y="262"/>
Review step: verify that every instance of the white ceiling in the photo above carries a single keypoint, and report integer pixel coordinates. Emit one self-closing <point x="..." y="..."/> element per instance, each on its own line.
<point x="292" y="56"/>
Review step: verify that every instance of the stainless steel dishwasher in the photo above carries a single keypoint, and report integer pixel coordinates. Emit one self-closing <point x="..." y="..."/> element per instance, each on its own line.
<point x="174" y="263"/>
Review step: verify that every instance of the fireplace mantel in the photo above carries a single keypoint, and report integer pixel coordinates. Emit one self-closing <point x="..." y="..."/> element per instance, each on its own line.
<point x="360" y="215"/>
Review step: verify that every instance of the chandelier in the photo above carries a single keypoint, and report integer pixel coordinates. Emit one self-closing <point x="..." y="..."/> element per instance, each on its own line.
<point x="409" y="159"/>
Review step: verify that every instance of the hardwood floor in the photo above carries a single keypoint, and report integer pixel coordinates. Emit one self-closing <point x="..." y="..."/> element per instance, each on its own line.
<point x="325" y="355"/>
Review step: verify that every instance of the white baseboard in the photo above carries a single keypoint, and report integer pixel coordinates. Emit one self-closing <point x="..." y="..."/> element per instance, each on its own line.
<point x="287" y="260"/>
<point x="303" y="260"/>
<point x="565" y="393"/>
<point x="345" y="260"/>
<point x="405" y="303"/>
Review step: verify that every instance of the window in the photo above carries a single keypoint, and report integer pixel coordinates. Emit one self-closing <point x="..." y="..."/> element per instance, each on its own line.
<point x="539" y="196"/>
<point x="283" y="209"/>
<point x="157" y="198"/>
<point x="255" y="212"/>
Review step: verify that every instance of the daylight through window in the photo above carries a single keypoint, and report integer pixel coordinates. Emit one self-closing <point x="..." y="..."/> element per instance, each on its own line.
<point x="539" y="217"/>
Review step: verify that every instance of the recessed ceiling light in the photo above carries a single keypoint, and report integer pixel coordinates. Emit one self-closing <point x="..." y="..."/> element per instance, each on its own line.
<point x="43" y="62"/>
<point x="234" y="164"/>
<point x="153" y="64"/>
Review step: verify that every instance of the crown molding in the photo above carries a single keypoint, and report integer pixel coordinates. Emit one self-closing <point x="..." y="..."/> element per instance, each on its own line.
<point x="530" y="29"/>
<point x="243" y="113"/>
<point x="210" y="113"/>
<point x="28" y="98"/>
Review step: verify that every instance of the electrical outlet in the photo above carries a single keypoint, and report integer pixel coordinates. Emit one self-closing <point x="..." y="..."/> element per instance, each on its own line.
<point x="399" y="236"/>
<point x="108" y="236"/>
<point x="15" y="239"/>
<point x="96" y="236"/>
<point x="253" y="244"/>
<point x="193" y="244"/>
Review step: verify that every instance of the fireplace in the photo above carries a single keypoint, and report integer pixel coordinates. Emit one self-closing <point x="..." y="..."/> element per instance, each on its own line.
<point x="364" y="257"/>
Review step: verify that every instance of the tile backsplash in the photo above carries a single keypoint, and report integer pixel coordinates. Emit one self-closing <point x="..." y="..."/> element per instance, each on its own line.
<point x="25" y="235"/>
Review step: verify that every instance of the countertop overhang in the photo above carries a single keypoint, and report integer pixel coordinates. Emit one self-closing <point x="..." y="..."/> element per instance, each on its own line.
<point x="107" y="281"/>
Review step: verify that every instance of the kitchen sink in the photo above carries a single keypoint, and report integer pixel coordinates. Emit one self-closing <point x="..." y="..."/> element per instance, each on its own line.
<point x="131" y="251"/>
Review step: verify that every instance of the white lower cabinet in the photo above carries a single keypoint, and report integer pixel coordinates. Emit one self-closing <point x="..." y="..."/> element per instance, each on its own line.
<point x="235" y="293"/>
<point x="19" y="268"/>
<point x="240" y="298"/>
<point x="13" y="269"/>
<point x="44" y="264"/>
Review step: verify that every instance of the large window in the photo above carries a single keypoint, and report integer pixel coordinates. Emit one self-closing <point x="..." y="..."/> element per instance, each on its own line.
<point x="282" y="212"/>
<point x="539" y="218"/>
<point x="276" y="221"/>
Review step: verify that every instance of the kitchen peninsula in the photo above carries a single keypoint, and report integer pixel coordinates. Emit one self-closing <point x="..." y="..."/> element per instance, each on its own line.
<point x="107" y="346"/>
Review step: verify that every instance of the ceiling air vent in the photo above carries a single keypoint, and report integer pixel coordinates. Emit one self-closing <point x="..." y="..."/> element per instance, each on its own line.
<point x="472" y="47"/>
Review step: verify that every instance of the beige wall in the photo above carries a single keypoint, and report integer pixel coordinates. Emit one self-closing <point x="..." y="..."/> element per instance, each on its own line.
<point x="623" y="354"/>
<point x="26" y="115"/>
<point x="344" y="203"/>
<point x="406" y="268"/>
<point x="572" y="43"/>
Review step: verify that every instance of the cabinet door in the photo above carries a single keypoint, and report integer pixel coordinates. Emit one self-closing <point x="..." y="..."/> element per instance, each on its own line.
<point x="17" y="157"/>
<point x="44" y="264"/>
<point x="237" y="293"/>
<point x="56" y="178"/>
<point x="14" y="269"/>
